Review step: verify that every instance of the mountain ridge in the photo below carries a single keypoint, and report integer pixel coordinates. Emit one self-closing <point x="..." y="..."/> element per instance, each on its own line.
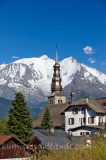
<point x="33" y="76"/>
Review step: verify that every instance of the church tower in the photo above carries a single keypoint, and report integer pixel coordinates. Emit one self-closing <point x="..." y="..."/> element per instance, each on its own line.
<point x="56" y="80"/>
<point x="55" y="96"/>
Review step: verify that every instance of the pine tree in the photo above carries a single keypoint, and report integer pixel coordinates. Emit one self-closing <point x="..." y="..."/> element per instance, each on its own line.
<point x="46" y="121"/>
<point x="3" y="126"/>
<point x="20" y="122"/>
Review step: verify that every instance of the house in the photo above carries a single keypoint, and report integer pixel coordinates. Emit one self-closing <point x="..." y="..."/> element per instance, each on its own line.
<point x="54" y="139"/>
<point x="91" y="114"/>
<point x="11" y="147"/>
<point x="85" y="117"/>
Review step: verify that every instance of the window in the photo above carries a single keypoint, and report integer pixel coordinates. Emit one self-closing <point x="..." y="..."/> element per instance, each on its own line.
<point x="90" y="120"/>
<point x="84" y="133"/>
<point x="100" y="122"/>
<point x="100" y="119"/>
<point x="75" y="111"/>
<point x="61" y="101"/>
<point x="58" y="101"/>
<point x="81" y="133"/>
<point x="71" y="121"/>
<point x="82" y="121"/>
<point x="83" y="111"/>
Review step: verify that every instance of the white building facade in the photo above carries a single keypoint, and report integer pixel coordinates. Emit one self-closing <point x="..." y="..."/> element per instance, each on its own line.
<point x="84" y="119"/>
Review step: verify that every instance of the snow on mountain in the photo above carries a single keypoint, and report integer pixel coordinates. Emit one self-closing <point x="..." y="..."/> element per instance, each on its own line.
<point x="69" y="67"/>
<point x="2" y="66"/>
<point x="101" y="77"/>
<point x="33" y="76"/>
<point x="42" y="69"/>
<point x="42" y="65"/>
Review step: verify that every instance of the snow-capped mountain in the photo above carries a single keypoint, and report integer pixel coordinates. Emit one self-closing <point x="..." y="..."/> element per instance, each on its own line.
<point x="32" y="76"/>
<point x="100" y="76"/>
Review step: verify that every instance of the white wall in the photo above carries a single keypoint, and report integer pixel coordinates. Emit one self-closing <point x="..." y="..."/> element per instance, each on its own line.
<point x="63" y="98"/>
<point x="77" y="117"/>
<point x="90" y="130"/>
<point x="91" y="113"/>
<point x="55" y="99"/>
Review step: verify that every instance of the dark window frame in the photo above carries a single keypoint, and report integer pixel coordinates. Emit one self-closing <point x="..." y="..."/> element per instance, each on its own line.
<point x="59" y="101"/>
<point x="71" y="121"/>
<point x="84" y="133"/>
<point x="91" y="120"/>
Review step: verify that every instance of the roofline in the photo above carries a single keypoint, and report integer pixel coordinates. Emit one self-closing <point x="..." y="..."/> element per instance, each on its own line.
<point x="73" y="106"/>
<point x="95" y="127"/>
<point x="56" y="96"/>
<point x="35" y="137"/>
<point x="79" y="105"/>
<point x="12" y="136"/>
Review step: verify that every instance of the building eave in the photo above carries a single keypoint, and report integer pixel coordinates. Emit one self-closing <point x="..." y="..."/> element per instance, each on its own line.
<point x="85" y="126"/>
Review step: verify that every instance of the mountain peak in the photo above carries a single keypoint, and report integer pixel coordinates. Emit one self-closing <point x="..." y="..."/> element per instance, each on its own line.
<point x="70" y="60"/>
<point x="44" y="57"/>
<point x="25" y="60"/>
<point x="33" y="76"/>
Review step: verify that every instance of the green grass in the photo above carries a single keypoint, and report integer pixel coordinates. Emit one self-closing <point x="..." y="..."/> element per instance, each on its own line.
<point x="96" y="152"/>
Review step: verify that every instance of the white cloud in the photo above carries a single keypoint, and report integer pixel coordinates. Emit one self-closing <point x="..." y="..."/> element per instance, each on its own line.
<point x="92" y="60"/>
<point x="14" y="57"/>
<point x="88" y="50"/>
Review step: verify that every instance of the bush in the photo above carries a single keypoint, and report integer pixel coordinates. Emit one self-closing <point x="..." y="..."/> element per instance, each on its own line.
<point x="96" y="152"/>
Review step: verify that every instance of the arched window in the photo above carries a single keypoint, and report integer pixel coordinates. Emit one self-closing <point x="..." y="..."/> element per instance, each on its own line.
<point x="58" y="101"/>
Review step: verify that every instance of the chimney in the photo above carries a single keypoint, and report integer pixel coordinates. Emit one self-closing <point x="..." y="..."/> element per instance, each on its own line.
<point x="72" y="95"/>
<point x="52" y="130"/>
<point x="86" y="99"/>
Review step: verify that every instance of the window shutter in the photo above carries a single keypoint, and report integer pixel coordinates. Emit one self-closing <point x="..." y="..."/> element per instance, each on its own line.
<point x="72" y="120"/>
<point x="88" y="119"/>
<point x="92" y="119"/>
<point x="69" y="121"/>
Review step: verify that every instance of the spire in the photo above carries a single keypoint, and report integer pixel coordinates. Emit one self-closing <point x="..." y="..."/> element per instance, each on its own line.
<point x="56" y="80"/>
<point x="56" y="54"/>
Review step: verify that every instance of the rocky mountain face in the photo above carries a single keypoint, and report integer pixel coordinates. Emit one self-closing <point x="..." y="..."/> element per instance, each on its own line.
<point x="5" y="106"/>
<point x="32" y="77"/>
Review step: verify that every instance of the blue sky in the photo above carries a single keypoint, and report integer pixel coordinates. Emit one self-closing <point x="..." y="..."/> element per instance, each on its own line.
<point x="31" y="28"/>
